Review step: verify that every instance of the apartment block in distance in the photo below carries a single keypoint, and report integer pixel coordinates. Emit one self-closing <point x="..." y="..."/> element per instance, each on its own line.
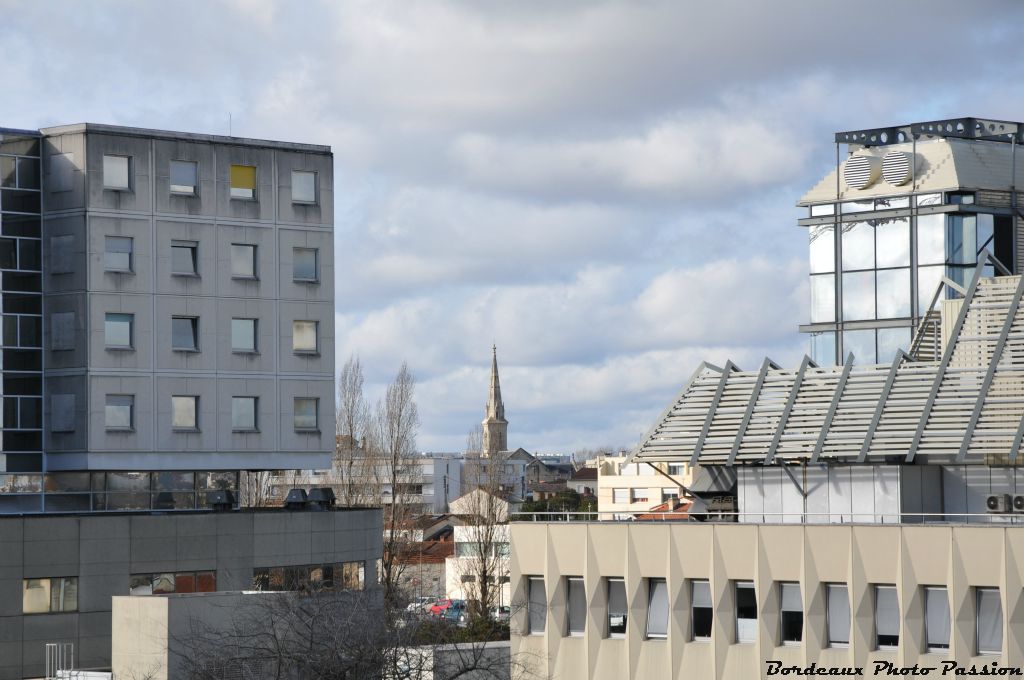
<point x="878" y="485"/>
<point x="167" y="317"/>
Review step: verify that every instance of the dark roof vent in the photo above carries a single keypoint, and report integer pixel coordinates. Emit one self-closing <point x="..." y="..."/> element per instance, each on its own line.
<point x="296" y="499"/>
<point x="321" y="498"/>
<point x="221" y="500"/>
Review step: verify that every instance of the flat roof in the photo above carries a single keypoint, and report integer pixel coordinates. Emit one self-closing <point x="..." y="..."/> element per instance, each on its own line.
<point x="182" y="136"/>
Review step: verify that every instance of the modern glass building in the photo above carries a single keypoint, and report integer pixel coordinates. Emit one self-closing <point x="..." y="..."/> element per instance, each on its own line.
<point x="905" y="207"/>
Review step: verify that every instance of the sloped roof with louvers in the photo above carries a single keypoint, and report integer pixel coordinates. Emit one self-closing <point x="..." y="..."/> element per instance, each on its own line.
<point x="941" y="165"/>
<point x="965" y="405"/>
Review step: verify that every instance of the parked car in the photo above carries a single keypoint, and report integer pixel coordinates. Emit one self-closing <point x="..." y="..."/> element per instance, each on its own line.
<point x="440" y="606"/>
<point x="457" y="612"/>
<point x="501" y="614"/>
<point x="419" y="605"/>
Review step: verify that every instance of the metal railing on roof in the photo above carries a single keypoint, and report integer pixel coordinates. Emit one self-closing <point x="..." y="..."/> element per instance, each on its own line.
<point x="807" y="518"/>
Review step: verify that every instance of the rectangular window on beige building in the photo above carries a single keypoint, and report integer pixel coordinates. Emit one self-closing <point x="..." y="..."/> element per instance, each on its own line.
<point x="537" y="605"/>
<point x="887" y="618"/>
<point x="701" y="613"/>
<point x="576" y="609"/>
<point x="791" y="613"/>
<point x="838" y="614"/>
<point x="746" y="611"/>
<point x="936" y="619"/>
<point x="657" y="608"/>
<point x="620" y="495"/>
<point x="989" y="614"/>
<point x="617" y="610"/>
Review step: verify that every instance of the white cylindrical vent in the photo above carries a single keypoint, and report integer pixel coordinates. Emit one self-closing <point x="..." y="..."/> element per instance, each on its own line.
<point x="862" y="171"/>
<point x="896" y="167"/>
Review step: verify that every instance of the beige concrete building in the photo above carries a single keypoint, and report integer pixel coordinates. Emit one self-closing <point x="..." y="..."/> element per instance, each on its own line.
<point x="626" y="488"/>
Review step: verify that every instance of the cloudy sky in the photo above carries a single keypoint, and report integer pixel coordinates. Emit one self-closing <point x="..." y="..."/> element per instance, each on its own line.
<point x="603" y="189"/>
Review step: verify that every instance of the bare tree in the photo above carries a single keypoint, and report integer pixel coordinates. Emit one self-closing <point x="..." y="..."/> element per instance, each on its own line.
<point x="353" y="460"/>
<point x="485" y="509"/>
<point x="255" y="488"/>
<point x="395" y="427"/>
<point x="475" y="440"/>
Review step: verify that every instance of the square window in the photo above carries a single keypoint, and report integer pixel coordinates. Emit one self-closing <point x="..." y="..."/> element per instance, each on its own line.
<point x="859" y="296"/>
<point x="837" y="614"/>
<point x="936" y="619"/>
<point x="243" y="261"/>
<point x="184" y="177"/>
<point x="184" y="258"/>
<point x="243" y="181"/>
<point x="120" y="411"/>
<point x="887" y="618"/>
<point x="989" y="614"/>
<point x="306" y="413"/>
<point x="243" y="414"/>
<point x="303" y="187"/>
<point x="184" y="413"/>
<point x="620" y="496"/>
<point x="746" y="611"/>
<point x="117" y="330"/>
<point x="304" y="264"/>
<point x="892" y="290"/>
<point x="116" y="173"/>
<point x="185" y="333"/>
<point x="49" y="595"/>
<point x="304" y="336"/>
<point x="537" y="605"/>
<point x="618" y="612"/>
<point x="791" y="614"/>
<point x="243" y="335"/>
<point x="576" y="611"/>
<point x="117" y="254"/>
<point x="657" y="608"/>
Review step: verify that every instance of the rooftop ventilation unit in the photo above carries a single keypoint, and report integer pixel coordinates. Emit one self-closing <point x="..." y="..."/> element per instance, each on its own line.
<point x="1018" y="503"/>
<point x="296" y="499"/>
<point x="320" y="498"/>
<point x="998" y="502"/>
<point x="862" y="171"/>
<point x="221" y="500"/>
<point x="896" y="168"/>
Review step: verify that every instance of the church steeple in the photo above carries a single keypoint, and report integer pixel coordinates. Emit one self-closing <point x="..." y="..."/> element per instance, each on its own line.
<point x="495" y="425"/>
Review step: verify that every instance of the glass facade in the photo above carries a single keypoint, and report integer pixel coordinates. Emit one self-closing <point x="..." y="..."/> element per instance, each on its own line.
<point x="21" y="303"/>
<point x="873" y="276"/>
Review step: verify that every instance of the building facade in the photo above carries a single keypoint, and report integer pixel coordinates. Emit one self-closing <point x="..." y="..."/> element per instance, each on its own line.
<point x="170" y="315"/>
<point x="60" y="572"/>
<point x="626" y="488"/>
<point x="873" y="507"/>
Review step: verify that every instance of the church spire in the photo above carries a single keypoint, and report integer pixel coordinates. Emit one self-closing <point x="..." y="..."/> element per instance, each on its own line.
<point x="495" y="426"/>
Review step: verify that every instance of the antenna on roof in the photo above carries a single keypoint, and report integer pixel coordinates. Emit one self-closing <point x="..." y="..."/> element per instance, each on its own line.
<point x="229" y="124"/>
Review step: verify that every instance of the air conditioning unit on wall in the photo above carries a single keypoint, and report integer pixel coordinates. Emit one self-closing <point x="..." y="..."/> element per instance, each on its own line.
<point x="1018" y="503"/>
<point x="998" y="502"/>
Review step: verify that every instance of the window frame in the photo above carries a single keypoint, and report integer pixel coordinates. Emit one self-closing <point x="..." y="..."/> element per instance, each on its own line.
<point x="194" y="322"/>
<point x="63" y="583"/>
<point x="178" y="189"/>
<point x="254" y="262"/>
<point x="316" y="414"/>
<point x="128" y="172"/>
<point x="255" y="414"/>
<point x="255" y="336"/>
<point x="253" y="192"/>
<point x="316" y="264"/>
<point x="316" y="193"/>
<point x="194" y="427"/>
<point x="929" y="647"/>
<point x="575" y="589"/>
<point x="316" y="337"/>
<point x="783" y="610"/>
<point x="130" y="405"/>
<point x="193" y="247"/>
<point x="128" y="318"/>
<point x="652" y="585"/>
<point x="613" y="581"/>
<point x="130" y="252"/>
<point x="737" y="586"/>
<point x="830" y="643"/>
<point x="536" y="583"/>
<point x="979" y="591"/>
<point x="877" y="590"/>
<point x="694" y="583"/>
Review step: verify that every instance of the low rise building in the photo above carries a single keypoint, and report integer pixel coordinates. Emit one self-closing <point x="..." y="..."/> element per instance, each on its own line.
<point x="624" y="488"/>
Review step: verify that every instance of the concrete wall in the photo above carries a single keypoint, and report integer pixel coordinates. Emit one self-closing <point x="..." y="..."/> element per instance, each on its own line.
<point x="958" y="557"/>
<point x="79" y="213"/>
<point x="103" y="551"/>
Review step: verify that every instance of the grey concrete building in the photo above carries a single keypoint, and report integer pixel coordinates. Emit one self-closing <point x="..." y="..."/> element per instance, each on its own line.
<point x="168" y="314"/>
<point x="58" y="573"/>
